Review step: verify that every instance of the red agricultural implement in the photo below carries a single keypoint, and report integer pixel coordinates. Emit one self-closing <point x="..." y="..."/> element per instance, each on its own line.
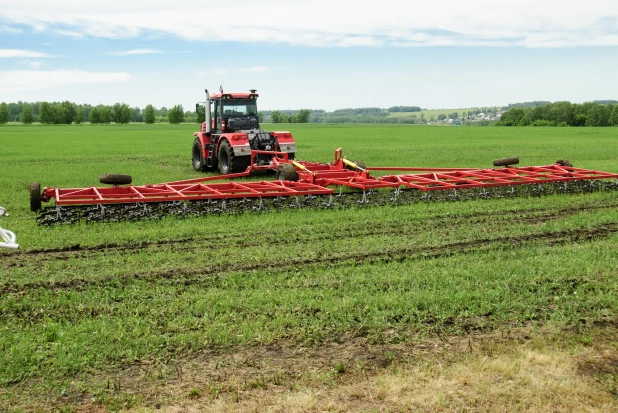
<point x="340" y="183"/>
<point x="232" y="141"/>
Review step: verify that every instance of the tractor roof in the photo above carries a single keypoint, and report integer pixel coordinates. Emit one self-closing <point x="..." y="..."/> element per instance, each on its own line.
<point x="234" y="96"/>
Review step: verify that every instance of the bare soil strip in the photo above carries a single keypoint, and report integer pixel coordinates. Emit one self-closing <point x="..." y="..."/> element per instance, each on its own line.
<point x="541" y="215"/>
<point x="194" y="275"/>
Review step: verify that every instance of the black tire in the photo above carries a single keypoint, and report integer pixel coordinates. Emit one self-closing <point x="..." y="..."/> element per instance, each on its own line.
<point x="115" y="179"/>
<point x="35" y="196"/>
<point x="564" y="162"/>
<point x="197" y="156"/>
<point x="286" y="172"/>
<point x="506" y="161"/>
<point x="230" y="163"/>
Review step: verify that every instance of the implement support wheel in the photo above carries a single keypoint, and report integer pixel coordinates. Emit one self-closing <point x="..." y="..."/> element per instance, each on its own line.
<point x="506" y="161"/>
<point x="564" y="162"/>
<point x="35" y="196"/>
<point x="115" y="179"/>
<point x="286" y="172"/>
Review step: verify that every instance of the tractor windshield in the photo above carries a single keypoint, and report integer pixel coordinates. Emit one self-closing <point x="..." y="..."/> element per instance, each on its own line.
<point x="240" y="107"/>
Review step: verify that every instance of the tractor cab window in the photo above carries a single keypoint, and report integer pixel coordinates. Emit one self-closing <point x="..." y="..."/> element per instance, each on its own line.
<point x="239" y="107"/>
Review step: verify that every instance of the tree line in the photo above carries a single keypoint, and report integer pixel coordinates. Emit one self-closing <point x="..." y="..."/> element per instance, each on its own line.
<point x="66" y="112"/>
<point x="562" y="114"/>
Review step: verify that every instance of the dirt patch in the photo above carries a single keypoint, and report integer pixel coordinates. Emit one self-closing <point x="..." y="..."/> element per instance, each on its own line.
<point x="603" y="364"/>
<point x="518" y="369"/>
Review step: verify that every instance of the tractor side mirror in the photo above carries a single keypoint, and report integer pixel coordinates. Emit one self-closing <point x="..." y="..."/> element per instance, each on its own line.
<point x="197" y="107"/>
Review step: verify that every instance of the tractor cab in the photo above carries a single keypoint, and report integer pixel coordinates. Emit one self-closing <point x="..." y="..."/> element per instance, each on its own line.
<point x="232" y="112"/>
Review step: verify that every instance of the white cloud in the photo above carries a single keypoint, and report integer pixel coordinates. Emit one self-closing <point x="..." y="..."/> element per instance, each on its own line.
<point x="21" y="53"/>
<point x="35" y="64"/>
<point x="136" y="52"/>
<point x="11" y="30"/>
<point x="14" y="80"/>
<point x="69" y="33"/>
<point x="341" y="23"/>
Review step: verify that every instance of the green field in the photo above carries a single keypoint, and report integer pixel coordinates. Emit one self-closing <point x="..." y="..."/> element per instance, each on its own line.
<point x="105" y="316"/>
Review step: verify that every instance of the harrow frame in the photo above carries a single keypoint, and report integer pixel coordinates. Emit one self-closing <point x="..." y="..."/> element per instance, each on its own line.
<point x="319" y="179"/>
<point x="314" y="188"/>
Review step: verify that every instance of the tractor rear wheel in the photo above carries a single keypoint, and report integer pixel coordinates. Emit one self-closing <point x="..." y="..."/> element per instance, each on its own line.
<point x="286" y="172"/>
<point x="506" y="161"/>
<point x="564" y="162"/>
<point x="229" y="163"/>
<point x="115" y="179"/>
<point x="199" y="163"/>
<point x="35" y="196"/>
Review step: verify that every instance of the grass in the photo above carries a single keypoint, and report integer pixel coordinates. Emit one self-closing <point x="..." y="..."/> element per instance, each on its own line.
<point x="160" y="293"/>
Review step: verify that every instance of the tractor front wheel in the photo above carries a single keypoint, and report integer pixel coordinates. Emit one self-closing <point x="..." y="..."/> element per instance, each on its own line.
<point x="229" y="163"/>
<point x="199" y="163"/>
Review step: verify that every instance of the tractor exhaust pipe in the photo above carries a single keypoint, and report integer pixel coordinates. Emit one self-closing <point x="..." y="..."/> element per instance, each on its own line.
<point x="207" y="113"/>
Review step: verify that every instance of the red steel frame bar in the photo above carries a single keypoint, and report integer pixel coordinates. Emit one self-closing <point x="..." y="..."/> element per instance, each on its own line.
<point x="317" y="178"/>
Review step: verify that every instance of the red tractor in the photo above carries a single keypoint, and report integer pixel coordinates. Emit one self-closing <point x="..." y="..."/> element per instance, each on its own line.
<point x="228" y="137"/>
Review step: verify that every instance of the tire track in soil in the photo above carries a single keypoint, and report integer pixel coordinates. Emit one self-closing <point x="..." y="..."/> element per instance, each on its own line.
<point x="214" y="243"/>
<point x="196" y="275"/>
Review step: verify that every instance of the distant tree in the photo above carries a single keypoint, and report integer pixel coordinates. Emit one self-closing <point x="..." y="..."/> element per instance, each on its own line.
<point x="580" y="119"/>
<point x="432" y="118"/>
<point x="149" y="114"/>
<point x="614" y="117"/>
<point x="176" y="114"/>
<point x="66" y="113"/>
<point x="136" y="115"/>
<point x="261" y="117"/>
<point x="121" y="113"/>
<point x="4" y="113"/>
<point x="79" y="115"/>
<point x="404" y="109"/>
<point x="453" y="115"/>
<point x="278" y="117"/>
<point x="598" y="115"/>
<point x="26" y="114"/>
<point x="95" y="116"/>
<point x="441" y="117"/>
<point x="303" y="116"/>
<point x="200" y="111"/>
<point x="45" y="113"/>
<point x="106" y="114"/>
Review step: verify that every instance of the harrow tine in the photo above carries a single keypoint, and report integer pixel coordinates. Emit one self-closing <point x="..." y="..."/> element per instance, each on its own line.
<point x="400" y="196"/>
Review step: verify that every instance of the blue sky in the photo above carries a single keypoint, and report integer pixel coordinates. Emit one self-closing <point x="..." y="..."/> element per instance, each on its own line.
<point x="310" y="54"/>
